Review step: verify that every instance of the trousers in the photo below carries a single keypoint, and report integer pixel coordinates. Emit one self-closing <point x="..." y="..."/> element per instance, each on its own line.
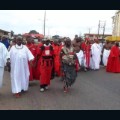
<point x="1" y="76"/>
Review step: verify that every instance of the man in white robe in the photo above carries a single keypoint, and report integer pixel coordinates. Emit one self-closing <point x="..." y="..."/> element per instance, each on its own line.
<point x="96" y="55"/>
<point x="3" y="59"/>
<point x="80" y="57"/>
<point x="106" y="54"/>
<point x="19" y="57"/>
<point x="91" y="62"/>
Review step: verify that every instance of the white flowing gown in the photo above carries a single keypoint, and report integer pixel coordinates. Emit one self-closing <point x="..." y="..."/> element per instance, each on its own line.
<point x="106" y="54"/>
<point x="80" y="57"/>
<point x="3" y="59"/>
<point x="19" y="57"/>
<point x="96" y="55"/>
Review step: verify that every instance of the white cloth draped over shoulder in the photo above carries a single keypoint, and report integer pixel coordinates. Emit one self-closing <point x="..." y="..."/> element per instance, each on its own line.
<point x="19" y="57"/>
<point x="106" y="54"/>
<point x="80" y="57"/>
<point x="96" y="55"/>
<point x="3" y="59"/>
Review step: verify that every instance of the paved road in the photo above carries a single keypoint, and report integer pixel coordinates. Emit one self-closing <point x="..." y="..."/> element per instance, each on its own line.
<point x="94" y="90"/>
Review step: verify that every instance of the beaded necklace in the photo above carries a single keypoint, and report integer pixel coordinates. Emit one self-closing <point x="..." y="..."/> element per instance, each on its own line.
<point x="20" y="47"/>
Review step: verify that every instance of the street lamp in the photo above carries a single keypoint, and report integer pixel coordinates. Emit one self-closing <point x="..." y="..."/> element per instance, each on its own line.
<point x="44" y="22"/>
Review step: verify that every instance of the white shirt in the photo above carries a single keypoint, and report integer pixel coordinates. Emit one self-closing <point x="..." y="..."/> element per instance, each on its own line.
<point x="3" y="55"/>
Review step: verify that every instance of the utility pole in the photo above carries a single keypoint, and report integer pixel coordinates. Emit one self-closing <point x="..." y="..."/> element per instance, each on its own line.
<point x="98" y="29"/>
<point x="101" y="27"/>
<point x="44" y="22"/>
<point x="89" y="30"/>
<point x="80" y="34"/>
<point x="104" y="29"/>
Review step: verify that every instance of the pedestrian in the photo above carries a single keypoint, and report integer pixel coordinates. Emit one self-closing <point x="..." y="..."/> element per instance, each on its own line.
<point x="68" y="62"/>
<point x="80" y="56"/>
<point x="102" y="43"/>
<point x="113" y="64"/>
<point x="3" y="59"/>
<point x="87" y="55"/>
<point x="38" y="57"/>
<point x="91" y="60"/>
<point x="33" y="49"/>
<point x="0" y="38"/>
<point x="96" y="54"/>
<point x="61" y="43"/>
<point x="5" y="41"/>
<point x="46" y="64"/>
<point x="19" y="57"/>
<point x="13" y="42"/>
<point x="51" y="41"/>
<point x="83" y="44"/>
<point x="105" y="53"/>
<point x="76" y="43"/>
<point x="57" y="50"/>
<point x="32" y="40"/>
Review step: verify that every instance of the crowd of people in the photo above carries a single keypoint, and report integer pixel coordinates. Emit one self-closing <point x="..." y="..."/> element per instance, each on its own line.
<point x="54" y="58"/>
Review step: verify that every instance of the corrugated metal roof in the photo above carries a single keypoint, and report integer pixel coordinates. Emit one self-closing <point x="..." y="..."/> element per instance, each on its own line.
<point x="4" y="31"/>
<point x="97" y="34"/>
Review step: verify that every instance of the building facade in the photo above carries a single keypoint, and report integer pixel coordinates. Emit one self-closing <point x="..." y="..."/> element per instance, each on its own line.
<point x="116" y="24"/>
<point x="3" y="32"/>
<point x="95" y="36"/>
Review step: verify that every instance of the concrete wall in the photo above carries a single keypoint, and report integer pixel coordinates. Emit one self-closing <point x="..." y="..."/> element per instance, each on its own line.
<point x="116" y="24"/>
<point x="3" y="33"/>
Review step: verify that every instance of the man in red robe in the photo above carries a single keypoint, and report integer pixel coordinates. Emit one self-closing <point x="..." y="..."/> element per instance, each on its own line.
<point x="37" y="64"/>
<point x="113" y="64"/>
<point x="57" y="50"/>
<point x="46" y="64"/>
<point x="32" y="48"/>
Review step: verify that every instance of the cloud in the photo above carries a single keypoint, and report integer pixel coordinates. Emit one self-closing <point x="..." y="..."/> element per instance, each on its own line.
<point x="63" y="22"/>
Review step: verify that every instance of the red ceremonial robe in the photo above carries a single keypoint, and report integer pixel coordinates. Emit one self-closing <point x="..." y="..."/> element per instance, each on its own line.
<point x="37" y="73"/>
<point x="113" y="64"/>
<point x="87" y="49"/>
<point x="32" y="48"/>
<point x="45" y="65"/>
<point x="83" y="46"/>
<point x="57" y="66"/>
<point x="77" y="66"/>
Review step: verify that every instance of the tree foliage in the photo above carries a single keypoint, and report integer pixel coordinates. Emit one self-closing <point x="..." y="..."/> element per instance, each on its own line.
<point x="33" y="32"/>
<point x="12" y="33"/>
